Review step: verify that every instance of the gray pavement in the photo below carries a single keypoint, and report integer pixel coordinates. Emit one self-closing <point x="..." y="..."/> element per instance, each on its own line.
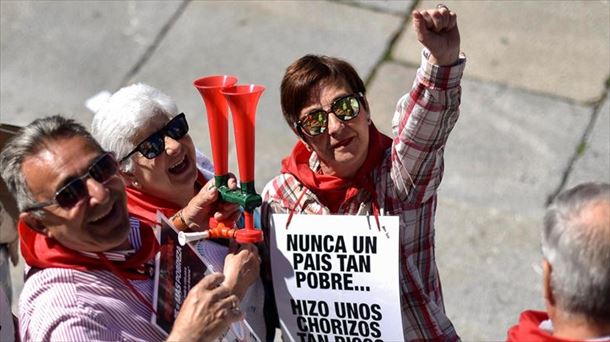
<point x="535" y="115"/>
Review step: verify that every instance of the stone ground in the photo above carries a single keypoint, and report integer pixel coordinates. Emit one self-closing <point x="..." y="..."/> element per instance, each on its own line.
<point x="535" y="117"/>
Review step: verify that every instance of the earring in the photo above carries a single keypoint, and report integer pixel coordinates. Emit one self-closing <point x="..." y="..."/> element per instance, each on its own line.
<point x="135" y="184"/>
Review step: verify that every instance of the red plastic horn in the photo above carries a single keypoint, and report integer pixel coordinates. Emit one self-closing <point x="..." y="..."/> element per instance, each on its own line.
<point x="243" y="100"/>
<point x="210" y="88"/>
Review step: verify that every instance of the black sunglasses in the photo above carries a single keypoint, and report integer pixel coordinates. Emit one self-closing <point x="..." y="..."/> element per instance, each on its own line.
<point x="101" y="169"/>
<point x="154" y="145"/>
<point x="345" y="108"/>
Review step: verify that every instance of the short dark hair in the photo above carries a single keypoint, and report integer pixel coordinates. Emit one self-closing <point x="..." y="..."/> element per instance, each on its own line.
<point x="306" y="74"/>
<point x="29" y="141"/>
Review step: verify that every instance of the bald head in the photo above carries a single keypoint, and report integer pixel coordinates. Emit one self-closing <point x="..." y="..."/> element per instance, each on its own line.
<point x="576" y="243"/>
<point x="595" y="217"/>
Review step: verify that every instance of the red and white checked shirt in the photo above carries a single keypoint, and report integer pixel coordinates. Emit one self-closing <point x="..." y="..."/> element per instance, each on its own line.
<point x="406" y="182"/>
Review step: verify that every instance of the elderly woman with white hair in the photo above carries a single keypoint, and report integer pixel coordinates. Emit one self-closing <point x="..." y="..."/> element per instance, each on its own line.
<point x="159" y="163"/>
<point x="163" y="171"/>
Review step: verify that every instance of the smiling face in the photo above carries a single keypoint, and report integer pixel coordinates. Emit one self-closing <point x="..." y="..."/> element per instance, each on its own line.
<point x="170" y="175"/>
<point x="98" y="222"/>
<point x="343" y="147"/>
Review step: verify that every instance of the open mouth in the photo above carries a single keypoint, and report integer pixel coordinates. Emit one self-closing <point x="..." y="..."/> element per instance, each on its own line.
<point x="179" y="167"/>
<point x="104" y="215"/>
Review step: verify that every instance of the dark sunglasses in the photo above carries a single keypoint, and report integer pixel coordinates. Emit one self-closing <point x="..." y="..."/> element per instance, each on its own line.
<point x="154" y="145"/>
<point x="101" y="169"/>
<point x="345" y="108"/>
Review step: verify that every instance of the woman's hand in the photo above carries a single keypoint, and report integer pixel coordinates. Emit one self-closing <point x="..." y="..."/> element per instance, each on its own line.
<point x="207" y="311"/>
<point x="242" y="268"/>
<point x="437" y="30"/>
<point x="206" y="203"/>
<point x="228" y="211"/>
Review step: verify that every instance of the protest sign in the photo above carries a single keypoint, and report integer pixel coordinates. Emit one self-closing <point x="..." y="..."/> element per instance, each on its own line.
<point x="335" y="278"/>
<point x="179" y="268"/>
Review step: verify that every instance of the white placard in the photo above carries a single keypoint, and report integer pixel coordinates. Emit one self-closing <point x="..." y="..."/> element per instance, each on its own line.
<point x="335" y="277"/>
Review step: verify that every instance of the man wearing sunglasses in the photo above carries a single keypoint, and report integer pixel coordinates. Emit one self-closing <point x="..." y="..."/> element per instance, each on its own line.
<point x="342" y="164"/>
<point x="89" y="264"/>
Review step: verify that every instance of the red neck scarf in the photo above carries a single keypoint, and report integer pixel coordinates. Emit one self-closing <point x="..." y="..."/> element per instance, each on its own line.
<point x="144" y="206"/>
<point x="334" y="191"/>
<point x="42" y="252"/>
<point x="528" y="328"/>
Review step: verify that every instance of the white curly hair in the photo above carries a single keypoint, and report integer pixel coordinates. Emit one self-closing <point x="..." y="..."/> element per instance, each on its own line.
<point x="118" y="120"/>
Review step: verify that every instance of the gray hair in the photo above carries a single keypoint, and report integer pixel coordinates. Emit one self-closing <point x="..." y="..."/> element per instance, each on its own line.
<point x="30" y="140"/>
<point x="119" y="120"/>
<point x="579" y="251"/>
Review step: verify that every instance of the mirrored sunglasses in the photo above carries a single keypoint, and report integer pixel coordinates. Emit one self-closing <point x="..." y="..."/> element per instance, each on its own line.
<point x="344" y="108"/>
<point x="154" y="145"/>
<point x="101" y="169"/>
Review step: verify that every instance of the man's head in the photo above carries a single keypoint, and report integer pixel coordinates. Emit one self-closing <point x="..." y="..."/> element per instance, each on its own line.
<point x="64" y="185"/>
<point x="576" y="248"/>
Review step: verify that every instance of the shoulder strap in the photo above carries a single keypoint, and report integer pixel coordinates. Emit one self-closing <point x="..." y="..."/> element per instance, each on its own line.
<point x="30" y="272"/>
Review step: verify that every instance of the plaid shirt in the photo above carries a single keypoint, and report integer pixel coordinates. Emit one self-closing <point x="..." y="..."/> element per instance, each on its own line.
<point x="406" y="182"/>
